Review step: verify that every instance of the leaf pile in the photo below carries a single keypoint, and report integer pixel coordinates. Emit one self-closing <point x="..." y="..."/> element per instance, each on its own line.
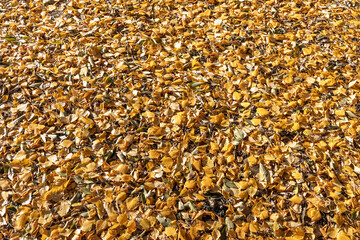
<point x="170" y="119"/>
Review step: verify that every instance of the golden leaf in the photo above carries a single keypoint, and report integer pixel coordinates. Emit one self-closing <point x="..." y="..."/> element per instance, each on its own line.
<point x="122" y="219"/>
<point x="66" y="143"/>
<point x="307" y="51"/>
<point x="339" y="220"/>
<point x="298" y="234"/>
<point x="20" y="221"/>
<point x="245" y="104"/>
<point x="132" y="203"/>
<point x="237" y="96"/>
<point x="54" y="191"/>
<point x="217" y="119"/>
<point x="253" y="227"/>
<point x="295" y="127"/>
<point x="296" y="175"/>
<point x="252" y="160"/>
<point x="87" y="225"/>
<point x="121" y="196"/>
<point x="131" y="226"/>
<point x="167" y="162"/>
<point x="341" y="207"/>
<point x="145" y="224"/>
<point x="207" y="182"/>
<point x="343" y="236"/>
<point x="340" y="113"/>
<point x="256" y="121"/>
<point x="179" y="118"/>
<point x="148" y="114"/>
<point x="243" y="195"/>
<point x="190" y="184"/>
<point x="87" y="121"/>
<point x="314" y="214"/>
<point x="262" y="111"/>
<point x="170" y="231"/>
<point x="296" y="199"/>
<point x="156" y="131"/>
<point x="154" y="154"/>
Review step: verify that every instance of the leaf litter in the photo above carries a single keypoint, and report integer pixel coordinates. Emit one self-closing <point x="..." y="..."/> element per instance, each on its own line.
<point x="179" y="119"/>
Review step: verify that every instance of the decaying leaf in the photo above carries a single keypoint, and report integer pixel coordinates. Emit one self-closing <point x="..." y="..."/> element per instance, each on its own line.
<point x="179" y="119"/>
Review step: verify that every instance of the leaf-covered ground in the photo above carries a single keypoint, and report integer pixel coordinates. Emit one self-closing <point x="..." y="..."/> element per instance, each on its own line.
<point x="169" y="119"/>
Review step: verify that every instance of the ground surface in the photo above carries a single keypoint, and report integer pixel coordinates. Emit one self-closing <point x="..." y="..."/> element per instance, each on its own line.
<point x="179" y="119"/>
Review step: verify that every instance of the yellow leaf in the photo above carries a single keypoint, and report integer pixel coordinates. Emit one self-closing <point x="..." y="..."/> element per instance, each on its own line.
<point x="167" y="162"/>
<point x="131" y="226"/>
<point x="145" y="224"/>
<point x="54" y="191"/>
<point x="307" y="132"/>
<point x="245" y="104"/>
<point x="322" y="145"/>
<point x="228" y="147"/>
<point x="217" y="119"/>
<point x="264" y="214"/>
<point x="66" y="143"/>
<point x="242" y="185"/>
<point x="199" y="196"/>
<point x="214" y="147"/>
<point x="295" y="127"/>
<point x="307" y="51"/>
<point x="333" y="143"/>
<point x="207" y="182"/>
<point x="256" y="121"/>
<point x="21" y="163"/>
<point x="156" y="131"/>
<point x="195" y="63"/>
<point x="170" y="231"/>
<point x="340" y="113"/>
<point x="253" y="227"/>
<point x="126" y="178"/>
<point x="297" y="16"/>
<point x="343" y="236"/>
<point x="314" y="214"/>
<point x="296" y="175"/>
<point x="183" y="234"/>
<point x="87" y="121"/>
<point x="183" y="192"/>
<point x="243" y="195"/>
<point x="237" y="96"/>
<point x="252" y="160"/>
<point x="154" y="154"/>
<point x="190" y="184"/>
<point x="339" y="220"/>
<point x="225" y="123"/>
<point x="262" y="111"/>
<point x="122" y="67"/>
<point x="296" y="199"/>
<point x="20" y="221"/>
<point x="298" y="234"/>
<point x="148" y="114"/>
<point x="293" y="104"/>
<point x="87" y="225"/>
<point x="208" y="64"/>
<point x="341" y="207"/>
<point x="122" y="219"/>
<point x="179" y="118"/>
<point x="131" y="203"/>
<point x="121" y="196"/>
